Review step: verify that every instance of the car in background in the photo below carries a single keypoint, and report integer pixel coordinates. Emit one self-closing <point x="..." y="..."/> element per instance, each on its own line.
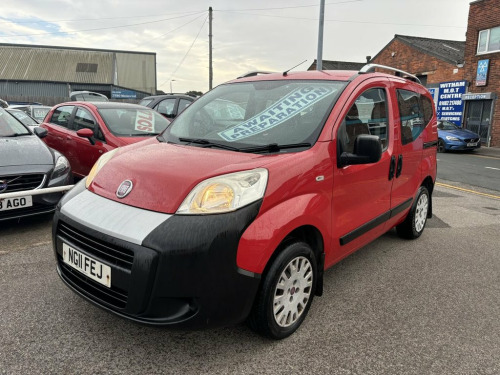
<point x="451" y="137"/>
<point x="83" y="131"/>
<point x="88" y="96"/>
<point x="22" y="116"/>
<point x="169" y="105"/>
<point x="41" y="167"/>
<point x="37" y="111"/>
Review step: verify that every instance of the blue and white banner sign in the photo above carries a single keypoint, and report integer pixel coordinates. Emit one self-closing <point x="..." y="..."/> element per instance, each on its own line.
<point x="281" y="111"/>
<point x="123" y="94"/>
<point x="482" y="72"/>
<point x="450" y="106"/>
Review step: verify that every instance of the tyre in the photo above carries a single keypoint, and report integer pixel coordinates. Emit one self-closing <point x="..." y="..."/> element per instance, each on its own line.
<point x="414" y="224"/>
<point x="441" y="147"/>
<point x="286" y="292"/>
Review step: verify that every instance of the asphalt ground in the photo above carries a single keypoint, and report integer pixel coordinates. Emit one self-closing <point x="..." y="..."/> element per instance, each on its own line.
<point x="429" y="306"/>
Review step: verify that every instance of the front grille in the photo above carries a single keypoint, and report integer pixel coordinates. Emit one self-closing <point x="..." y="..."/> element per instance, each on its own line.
<point x="22" y="182"/>
<point x="112" y="254"/>
<point x="113" y="296"/>
<point x="471" y="140"/>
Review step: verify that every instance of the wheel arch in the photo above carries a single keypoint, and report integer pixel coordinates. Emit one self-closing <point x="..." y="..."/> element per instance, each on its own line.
<point x="429" y="184"/>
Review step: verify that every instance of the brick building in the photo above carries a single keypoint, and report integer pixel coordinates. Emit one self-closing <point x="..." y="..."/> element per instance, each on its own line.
<point x="431" y="60"/>
<point x="482" y="70"/>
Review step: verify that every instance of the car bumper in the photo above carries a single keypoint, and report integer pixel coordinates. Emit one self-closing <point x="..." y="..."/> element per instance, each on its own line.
<point x="42" y="204"/>
<point x="181" y="273"/>
<point x="461" y="146"/>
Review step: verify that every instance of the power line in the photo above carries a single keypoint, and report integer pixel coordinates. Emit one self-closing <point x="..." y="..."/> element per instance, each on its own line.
<point x="343" y="21"/>
<point x="184" y="58"/>
<point x="281" y="8"/>
<point x="95" y="29"/>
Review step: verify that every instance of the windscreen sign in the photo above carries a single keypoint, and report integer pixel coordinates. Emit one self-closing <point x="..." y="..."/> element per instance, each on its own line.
<point x="278" y="113"/>
<point x="145" y="122"/>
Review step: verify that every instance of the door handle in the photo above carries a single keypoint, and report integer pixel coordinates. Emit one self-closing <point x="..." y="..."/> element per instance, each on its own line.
<point x="392" y="167"/>
<point x="400" y="166"/>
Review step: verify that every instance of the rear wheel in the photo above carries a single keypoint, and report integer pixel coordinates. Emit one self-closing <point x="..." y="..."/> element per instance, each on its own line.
<point x="414" y="224"/>
<point x="441" y="147"/>
<point x="286" y="292"/>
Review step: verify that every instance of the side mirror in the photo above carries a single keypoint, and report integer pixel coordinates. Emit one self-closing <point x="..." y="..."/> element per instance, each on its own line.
<point x="86" y="133"/>
<point x="40" y="132"/>
<point x="367" y="150"/>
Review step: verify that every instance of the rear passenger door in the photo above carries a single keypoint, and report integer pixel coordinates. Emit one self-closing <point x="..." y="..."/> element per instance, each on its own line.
<point x="362" y="193"/>
<point x="411" y="122"/>
<point x="59" y="129"/>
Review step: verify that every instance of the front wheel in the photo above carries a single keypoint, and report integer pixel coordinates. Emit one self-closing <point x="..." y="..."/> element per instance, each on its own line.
<point x="286" y="292"/>
<point x="414" y="224"/>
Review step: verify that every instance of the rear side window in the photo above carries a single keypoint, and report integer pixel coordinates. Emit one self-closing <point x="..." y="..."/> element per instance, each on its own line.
<point x="412" y="115"/>
<point x="62" y="115"/>
<point x="166" y="107"/>
<point x="368" y="115"/>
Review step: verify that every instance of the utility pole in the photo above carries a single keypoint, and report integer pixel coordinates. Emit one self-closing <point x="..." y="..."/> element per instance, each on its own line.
<point x="319" y="60"/>
<point x="210" y="71"/>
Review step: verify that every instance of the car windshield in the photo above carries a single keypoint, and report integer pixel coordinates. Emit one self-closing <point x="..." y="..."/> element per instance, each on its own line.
<point x="262" y="116"/>
<point x="446" y="125"/>
<point x="24" y="118"/>
<point x="10" y="126"/>
<point x="133" y="122"/>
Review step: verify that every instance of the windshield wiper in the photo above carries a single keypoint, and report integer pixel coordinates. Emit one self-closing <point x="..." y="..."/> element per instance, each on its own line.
<point x="16" y="135"/>
<point x="274" y="147"/>
<point x="206" y="143"/>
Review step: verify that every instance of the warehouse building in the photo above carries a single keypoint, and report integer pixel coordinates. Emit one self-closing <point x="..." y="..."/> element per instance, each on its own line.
<point x="48" y="74"/>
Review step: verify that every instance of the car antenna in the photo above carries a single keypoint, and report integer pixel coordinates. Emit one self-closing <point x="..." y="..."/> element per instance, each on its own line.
<point x="286" y="71"/>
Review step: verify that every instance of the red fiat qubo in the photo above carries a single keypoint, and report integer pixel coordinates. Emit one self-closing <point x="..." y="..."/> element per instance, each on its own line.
<point x="236" y="209"/>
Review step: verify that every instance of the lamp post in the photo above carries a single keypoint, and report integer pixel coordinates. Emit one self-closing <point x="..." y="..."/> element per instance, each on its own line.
<point x="172" y="80"/>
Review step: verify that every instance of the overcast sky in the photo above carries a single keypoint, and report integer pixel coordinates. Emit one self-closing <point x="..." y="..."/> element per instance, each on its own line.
<point x="247" y="35"/>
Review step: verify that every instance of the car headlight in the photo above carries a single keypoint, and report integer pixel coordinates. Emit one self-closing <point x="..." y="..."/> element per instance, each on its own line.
<point x="98" y="165"/>
<point x="61" y="167"/>
<point x="450" y="138"/>
<point x="225" y="193"/>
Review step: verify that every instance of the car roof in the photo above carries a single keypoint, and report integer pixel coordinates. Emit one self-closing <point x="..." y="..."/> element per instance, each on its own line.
<point x="103" y="105"/>
<point x="170" y="96"/>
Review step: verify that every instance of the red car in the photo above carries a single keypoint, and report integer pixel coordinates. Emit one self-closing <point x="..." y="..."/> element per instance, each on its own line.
<point x="83" y="131"/>
<point x="235" y="211"/>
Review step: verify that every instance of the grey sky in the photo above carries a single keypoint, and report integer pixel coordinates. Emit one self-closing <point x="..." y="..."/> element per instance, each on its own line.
<point x="248" y="35"/>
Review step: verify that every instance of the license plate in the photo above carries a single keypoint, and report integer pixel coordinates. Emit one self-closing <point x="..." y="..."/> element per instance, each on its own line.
<point x="88" y="266"/>
<point x="471" y="144"/>
<point x="15" y="203"/>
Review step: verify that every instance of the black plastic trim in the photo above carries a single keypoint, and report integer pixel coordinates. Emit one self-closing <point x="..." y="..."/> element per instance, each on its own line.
<point x="358" y="232"/>
<point x="430" y="144"/>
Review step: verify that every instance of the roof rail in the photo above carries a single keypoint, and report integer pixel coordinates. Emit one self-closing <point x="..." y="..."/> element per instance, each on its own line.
<point x="371" y="68"/>
<point x="254" y="73"/>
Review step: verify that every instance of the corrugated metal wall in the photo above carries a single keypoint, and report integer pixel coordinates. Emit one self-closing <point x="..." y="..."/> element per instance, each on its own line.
<point x="54" y="64"/>
<point x="134" y="71"/>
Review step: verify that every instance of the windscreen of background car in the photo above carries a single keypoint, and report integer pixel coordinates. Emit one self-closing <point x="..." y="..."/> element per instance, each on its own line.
<point x="10" y="127"/>
<point x="126" y="122"/>
<point x="259" y="113"/>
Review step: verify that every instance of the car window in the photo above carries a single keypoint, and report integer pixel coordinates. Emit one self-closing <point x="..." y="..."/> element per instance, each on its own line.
<point x="62" y="115"/>
<point x="145" y="102"/>
<point x="24" y="118"/>
<point x="133" y="122"/>
<point x="412" y="115"/>
<point x="445" y="125"/>
<point x="83" y="120"/>
<point x="368" y="115"/>
<point x="262" y="113"/>
<point x="40" y="113"/>
<point x="183" y="104"/>
<point x="166" y="107"/>
<point x="10" y="126"/>
<point x="428" y="107"/>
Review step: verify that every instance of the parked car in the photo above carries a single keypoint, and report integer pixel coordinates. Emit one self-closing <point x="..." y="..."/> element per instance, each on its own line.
<point x="83" y="131"/>
<point x="38" y="112"/>
<point x="169" y="105"/>
<point x="235" y="213"/>
<point x="27" y="164"/>
<point x="88" y="96"/>
<point x="452" y="137"/>
<point x="22" y="116"/>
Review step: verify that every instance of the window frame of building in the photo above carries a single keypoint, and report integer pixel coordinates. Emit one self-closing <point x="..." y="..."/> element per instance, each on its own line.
<point x="484" y="36"/>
